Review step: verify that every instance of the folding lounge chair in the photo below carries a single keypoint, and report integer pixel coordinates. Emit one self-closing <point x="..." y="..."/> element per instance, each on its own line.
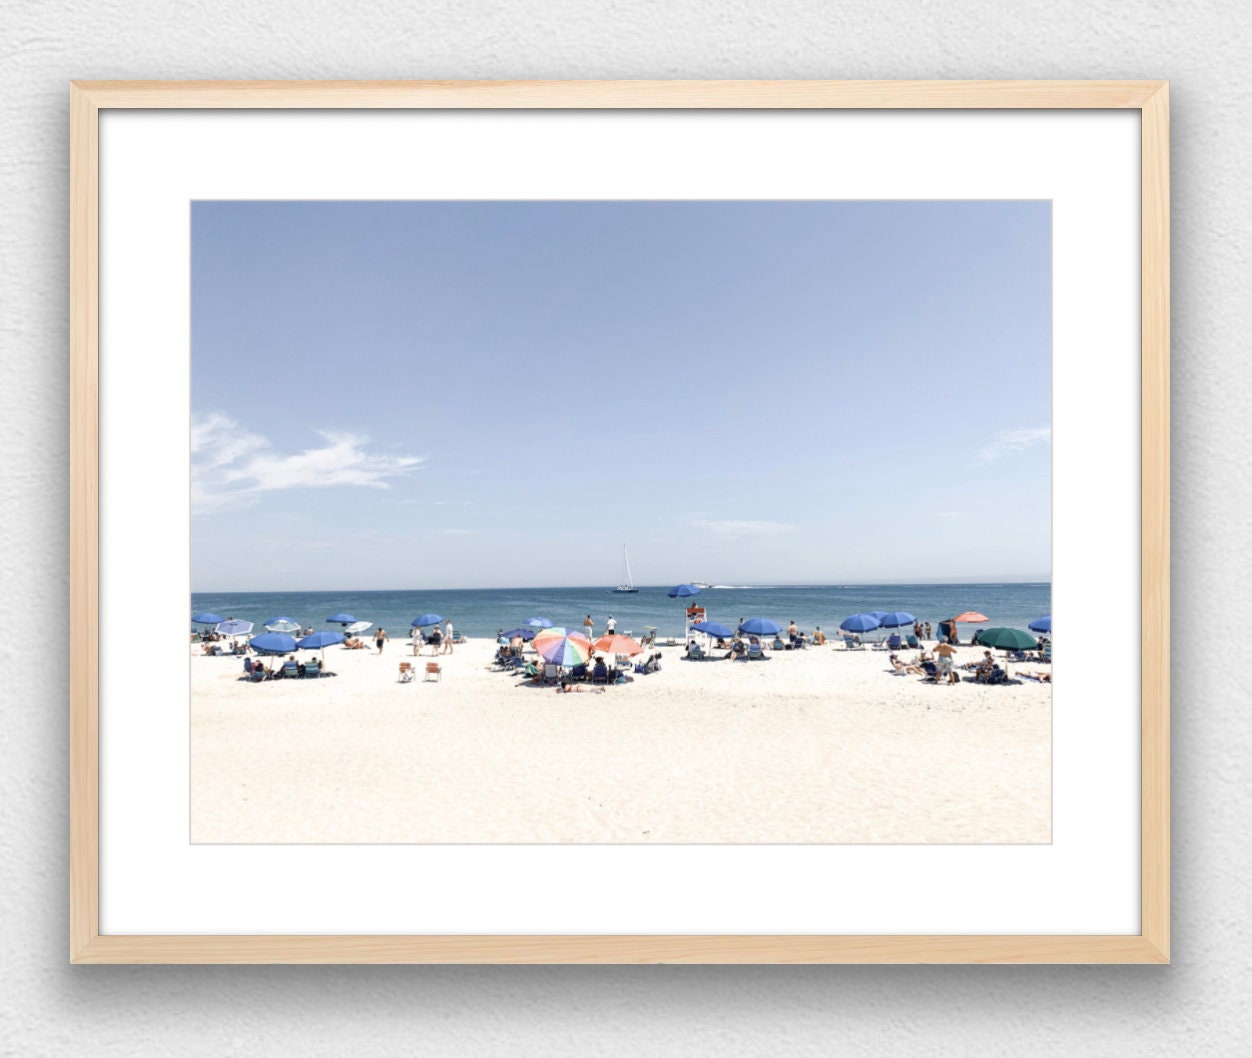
<point x="852" y="644"/>
<point x="313" y="668"/>
<point x="551" y="673"/>
<point x="406" y="672"/>
<point x="911" y="640"/>
<point x="433" y="669"/>
<point x="755" y="653"/>
<point x="291" y="670"/>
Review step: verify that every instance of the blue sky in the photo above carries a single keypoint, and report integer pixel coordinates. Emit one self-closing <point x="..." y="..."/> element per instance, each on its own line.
<point x="498" y="394"/>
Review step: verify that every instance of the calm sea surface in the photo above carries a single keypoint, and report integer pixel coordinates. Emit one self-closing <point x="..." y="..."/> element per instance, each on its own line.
<point x="483" y="612"/>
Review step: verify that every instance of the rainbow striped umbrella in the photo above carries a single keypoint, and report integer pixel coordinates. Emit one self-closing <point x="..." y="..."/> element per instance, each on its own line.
<point x="560" y="646"/>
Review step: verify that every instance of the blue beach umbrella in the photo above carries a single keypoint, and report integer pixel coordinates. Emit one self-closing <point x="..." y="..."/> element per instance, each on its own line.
<point x="1042" y="624"/>
<point x="760" y="626"/>
<point x="320" y="640"/>
<point x="860" y="622"/>
<point x="878" y="615"/>
<point x="712" y="628"/>
<point x="234" y="628"/>
<point x="896" y="620"/>
<point x="525" y="633"/>
<point x="539" y="622"/>
<point x="683" y="591"/>
<point x="206" y="618"/>
<point x="341" y="619"/>
<point x="422" y="620"/>
<point x="273" y="643"/>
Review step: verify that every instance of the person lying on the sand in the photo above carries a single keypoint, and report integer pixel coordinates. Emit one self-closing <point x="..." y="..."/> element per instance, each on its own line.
<point x="901" y="669"/>
<point x="580" y="688"/>
<point x="1038" y="677"/>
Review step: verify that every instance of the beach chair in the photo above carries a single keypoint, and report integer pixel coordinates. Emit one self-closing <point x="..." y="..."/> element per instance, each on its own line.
<point x="755" y="653"/>
<point x="433" y="670"/>
<point x="532" y="671"/>
<point x="551" y="673"/>
<point x="777" y="644"/>
<point x="291" y="670"/>
<point x="313" y="668"/>
<point x="911" y="640"/>
<point x="1046" y="653"/>
<point x="578" y="672"/>
<point x="696" y="653"/>
<point x="851" y="643"/>
<point x="932" y="672"/>
<point x="894" y="642"/>
<point x="406" y="672"/>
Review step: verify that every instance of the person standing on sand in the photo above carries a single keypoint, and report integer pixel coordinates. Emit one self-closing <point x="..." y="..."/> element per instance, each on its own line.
<point x="610" y="626"/>
<point x="943" y="658"/>
<point x="380" y="639"/>
<point x="447" y="637"/>
<point x="589" y="627"/>
<point x="927" y="626"/>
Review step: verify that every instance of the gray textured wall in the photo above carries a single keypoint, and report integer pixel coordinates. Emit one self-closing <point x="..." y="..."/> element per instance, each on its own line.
<point x="1199" y="1005"/>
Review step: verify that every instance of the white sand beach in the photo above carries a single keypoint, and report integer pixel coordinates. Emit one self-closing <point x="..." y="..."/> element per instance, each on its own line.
<point x="821" y="745"/>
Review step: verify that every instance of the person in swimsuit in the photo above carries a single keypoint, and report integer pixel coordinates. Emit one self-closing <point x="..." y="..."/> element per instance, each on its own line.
<point x="380" y="639"/>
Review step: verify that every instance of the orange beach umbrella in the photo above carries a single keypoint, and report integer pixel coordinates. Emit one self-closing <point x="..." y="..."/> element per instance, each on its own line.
<point x="618" y="645"/>
<point x="971" y="617"/>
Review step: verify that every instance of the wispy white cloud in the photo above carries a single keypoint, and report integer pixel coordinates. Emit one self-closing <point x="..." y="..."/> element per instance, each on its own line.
<point x="231" y="467"/>
<point x="1006" y="442"/>
<point x="736" y="528"/>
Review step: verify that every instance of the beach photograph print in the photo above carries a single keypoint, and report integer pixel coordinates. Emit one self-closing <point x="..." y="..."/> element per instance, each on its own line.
<point x="620" y="522"/>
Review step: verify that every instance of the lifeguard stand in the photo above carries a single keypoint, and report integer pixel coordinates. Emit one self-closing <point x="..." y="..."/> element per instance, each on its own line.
<point x="695" y="614"/>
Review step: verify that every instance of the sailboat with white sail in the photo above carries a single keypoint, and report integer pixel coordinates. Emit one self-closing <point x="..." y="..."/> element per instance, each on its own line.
<point x="627" y="587"/>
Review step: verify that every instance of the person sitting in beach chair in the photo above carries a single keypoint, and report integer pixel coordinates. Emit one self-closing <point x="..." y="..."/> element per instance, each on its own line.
<point x="291" y="669"/>
<point x="778" y="644"/>
<point x="853" y="642"/>
<point x="819" y="637"/>
<point x="695" y="652"/>
<point x="600" y="673"/>
<point x="653" y="664"/>
<point x="406" y="672"/>
<point x="931" y="671"/>
<point x="755" y="653"/>
<point x="532" y="671"/>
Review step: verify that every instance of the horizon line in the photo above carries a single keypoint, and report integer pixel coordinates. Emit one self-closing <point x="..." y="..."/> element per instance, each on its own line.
<point x="661" y="587"/>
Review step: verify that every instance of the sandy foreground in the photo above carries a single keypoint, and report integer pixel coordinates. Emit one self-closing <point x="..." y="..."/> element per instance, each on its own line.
<point x="822" y="745"/>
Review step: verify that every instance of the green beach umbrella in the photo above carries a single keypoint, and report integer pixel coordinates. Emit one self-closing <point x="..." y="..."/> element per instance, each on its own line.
<point x="1007" y="639"/>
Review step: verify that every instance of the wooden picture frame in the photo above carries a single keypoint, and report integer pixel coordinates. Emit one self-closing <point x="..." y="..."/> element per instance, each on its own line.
<point x="87" y="945"/>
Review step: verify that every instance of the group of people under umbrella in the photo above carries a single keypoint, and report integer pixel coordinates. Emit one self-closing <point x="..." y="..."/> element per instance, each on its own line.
<point x="281" y="631"/>
<point x="997" y="638"/>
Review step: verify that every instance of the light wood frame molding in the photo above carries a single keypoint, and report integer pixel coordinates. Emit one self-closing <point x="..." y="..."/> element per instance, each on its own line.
<point x="88" y="945"/>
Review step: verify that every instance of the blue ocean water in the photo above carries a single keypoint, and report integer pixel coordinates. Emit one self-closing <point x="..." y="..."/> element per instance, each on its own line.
<point x="483" y="612"/>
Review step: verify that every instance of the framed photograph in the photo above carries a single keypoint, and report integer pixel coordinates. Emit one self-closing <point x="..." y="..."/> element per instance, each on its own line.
<point x="545" y="522"/>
